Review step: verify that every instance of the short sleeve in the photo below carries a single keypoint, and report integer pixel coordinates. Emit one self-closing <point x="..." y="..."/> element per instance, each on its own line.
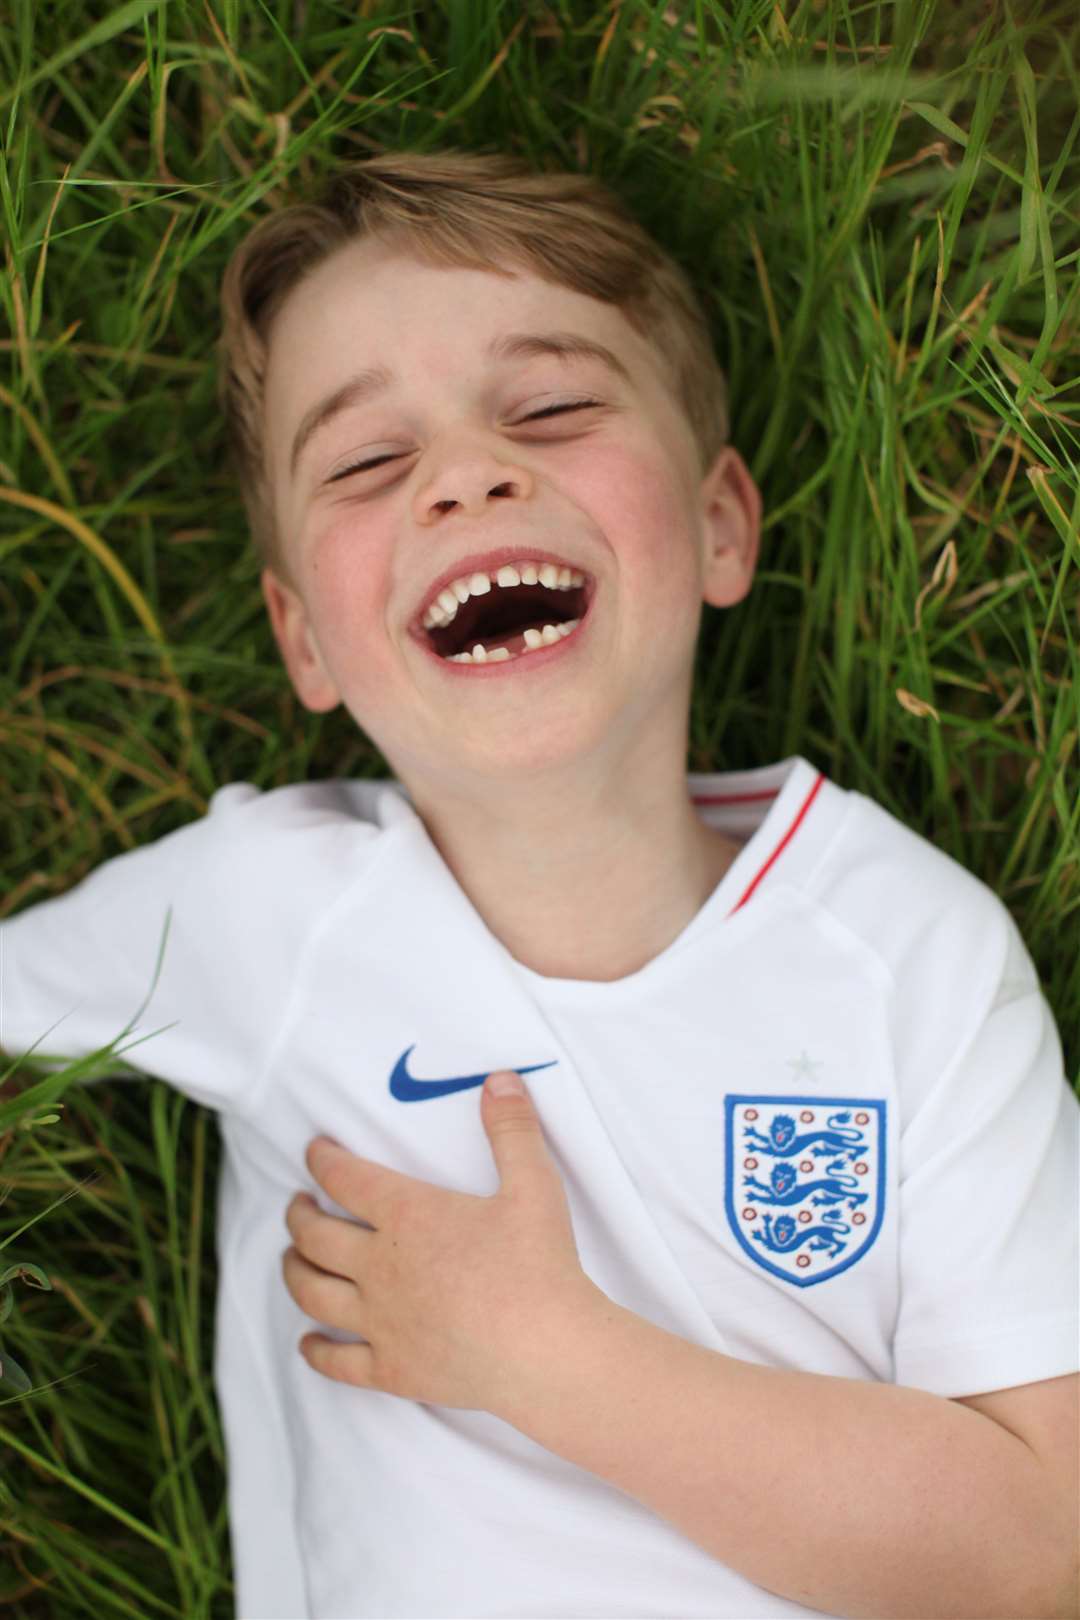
<point x="990" y="1197"/>
<point x="76" y="970"/>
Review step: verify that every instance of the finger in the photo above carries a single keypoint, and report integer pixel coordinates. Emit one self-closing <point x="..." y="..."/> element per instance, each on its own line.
<point x="301" y="1206"/>
<point x="302" y="1203"/>
<point x="350" y="1180"/>
<point x="328" y="1241"/>
<point x="334" y="1301"/>
<point x="348" y="1363"/>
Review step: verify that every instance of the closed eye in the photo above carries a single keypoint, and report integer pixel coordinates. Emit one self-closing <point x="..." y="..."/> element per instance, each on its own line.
<point x="554" y="410"/>
<point x="548" y="410"/>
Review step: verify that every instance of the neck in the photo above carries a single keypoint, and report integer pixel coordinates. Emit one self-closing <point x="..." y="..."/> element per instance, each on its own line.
<point x="584" y="880"/>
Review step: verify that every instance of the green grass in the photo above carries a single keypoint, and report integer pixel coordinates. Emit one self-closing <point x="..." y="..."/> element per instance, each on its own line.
<point x="879" y="205"/>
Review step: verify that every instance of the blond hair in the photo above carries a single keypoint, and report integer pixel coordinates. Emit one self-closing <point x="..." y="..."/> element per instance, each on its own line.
<point x="470" y="210"/>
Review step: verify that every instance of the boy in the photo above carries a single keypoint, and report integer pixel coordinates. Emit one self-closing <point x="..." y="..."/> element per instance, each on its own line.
<point x="761" y="1301"/>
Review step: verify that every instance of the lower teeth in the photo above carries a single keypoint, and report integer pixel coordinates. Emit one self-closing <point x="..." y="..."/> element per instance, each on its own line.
<point x="534" y="639"/>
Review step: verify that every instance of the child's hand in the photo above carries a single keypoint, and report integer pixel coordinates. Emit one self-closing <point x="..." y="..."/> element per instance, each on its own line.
<point x="447" y="1285"/>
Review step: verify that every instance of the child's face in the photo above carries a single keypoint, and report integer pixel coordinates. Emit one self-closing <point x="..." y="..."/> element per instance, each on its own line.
<point x="614" y="491"/>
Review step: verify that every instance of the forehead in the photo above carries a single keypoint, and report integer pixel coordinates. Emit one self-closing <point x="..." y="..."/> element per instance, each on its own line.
<point x="373" y="305"/>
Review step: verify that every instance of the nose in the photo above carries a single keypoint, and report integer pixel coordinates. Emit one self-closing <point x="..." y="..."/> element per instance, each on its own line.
<point x="471" y="485"/>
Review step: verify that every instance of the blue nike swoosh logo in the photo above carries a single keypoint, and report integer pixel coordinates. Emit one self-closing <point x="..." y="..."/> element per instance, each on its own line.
<point x="406" y="1089"/>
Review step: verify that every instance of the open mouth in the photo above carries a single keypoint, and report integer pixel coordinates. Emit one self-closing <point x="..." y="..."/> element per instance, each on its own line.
<point x="518" y="620"/>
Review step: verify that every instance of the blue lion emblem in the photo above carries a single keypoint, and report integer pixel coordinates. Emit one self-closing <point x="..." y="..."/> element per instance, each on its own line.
<point x="782" y="1235"/>
<point x="805" y="1181"/>
<point x="835" y="1142"/>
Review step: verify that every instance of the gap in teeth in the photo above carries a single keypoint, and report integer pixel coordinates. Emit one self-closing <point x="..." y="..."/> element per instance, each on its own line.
<point x="547" y="637"/>
<point x="443" y="610"/>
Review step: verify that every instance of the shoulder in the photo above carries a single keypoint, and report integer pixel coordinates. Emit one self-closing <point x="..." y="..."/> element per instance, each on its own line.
<point x="306" y="842"/>
<point x="919" y="909"/>
<point x="302" y="805"/>
<point x="304" y="820"/>
<point x="944" y="947"/>
<point x="300" y="845"/>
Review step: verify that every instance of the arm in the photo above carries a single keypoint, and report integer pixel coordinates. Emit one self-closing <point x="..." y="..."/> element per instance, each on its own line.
<point x="139" y="956"/>
<point x="859" y="1499"/>
<point x="873" y="1499"/>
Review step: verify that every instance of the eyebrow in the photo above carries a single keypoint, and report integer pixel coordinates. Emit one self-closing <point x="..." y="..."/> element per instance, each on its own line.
<point x="510" y="346"/>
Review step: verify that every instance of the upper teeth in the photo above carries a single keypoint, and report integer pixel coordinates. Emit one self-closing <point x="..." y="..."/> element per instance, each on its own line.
<point x="444" y="608"/>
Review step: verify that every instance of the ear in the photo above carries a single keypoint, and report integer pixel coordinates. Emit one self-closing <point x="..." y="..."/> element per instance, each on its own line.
<point x="731" y="523"/>
<point x="299" y="649"/>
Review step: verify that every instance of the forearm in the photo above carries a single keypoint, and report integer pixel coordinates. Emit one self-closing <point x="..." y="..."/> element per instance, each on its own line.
<point x="858" y="1499"/>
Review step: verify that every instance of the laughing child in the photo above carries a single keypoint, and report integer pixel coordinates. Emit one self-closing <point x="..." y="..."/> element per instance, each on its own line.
<point x="760" y="1298"/>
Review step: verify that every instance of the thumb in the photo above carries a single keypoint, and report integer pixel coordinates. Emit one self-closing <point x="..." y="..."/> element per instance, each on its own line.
<point x="512" y="1123"/>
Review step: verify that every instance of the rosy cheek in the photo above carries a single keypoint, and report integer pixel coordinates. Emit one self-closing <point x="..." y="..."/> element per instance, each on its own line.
<point x="346" y="565"/>
<point x="643" y="507"/>
<point x="337" y="541"/>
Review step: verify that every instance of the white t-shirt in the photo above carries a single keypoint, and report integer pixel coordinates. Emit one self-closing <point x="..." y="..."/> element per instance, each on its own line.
<point x="826" y="1129"/>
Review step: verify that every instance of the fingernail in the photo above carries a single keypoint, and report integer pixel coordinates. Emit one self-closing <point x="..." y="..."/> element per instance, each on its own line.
<point x="505" y="1083"/>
